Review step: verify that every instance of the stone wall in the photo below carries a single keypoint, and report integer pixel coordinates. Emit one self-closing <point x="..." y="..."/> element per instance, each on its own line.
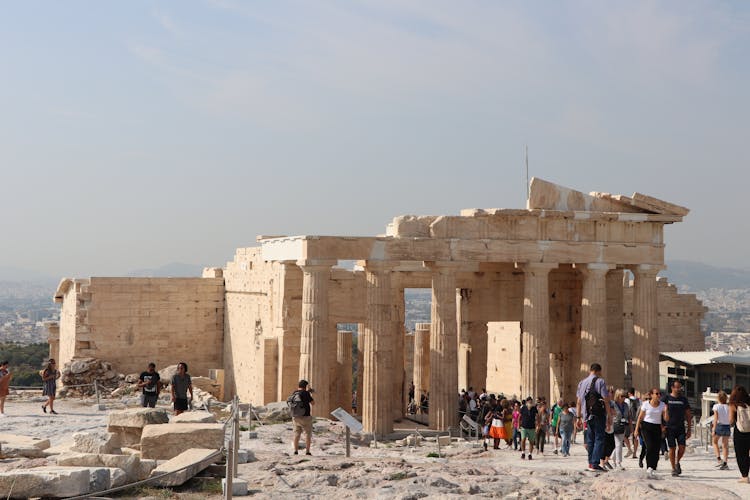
<point x="504" y="357"/>
<point x="132" y="321"/>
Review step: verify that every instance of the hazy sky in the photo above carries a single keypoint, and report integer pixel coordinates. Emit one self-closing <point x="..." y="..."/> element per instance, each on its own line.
<point x="133" y="134"/>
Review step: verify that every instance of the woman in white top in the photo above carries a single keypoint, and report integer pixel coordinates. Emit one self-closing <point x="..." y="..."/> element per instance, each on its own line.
<point x="722" y="430"/>
<point x="650" y="419"/>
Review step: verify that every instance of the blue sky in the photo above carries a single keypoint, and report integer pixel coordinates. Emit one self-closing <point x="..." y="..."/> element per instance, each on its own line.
<point x="138" y="133"/>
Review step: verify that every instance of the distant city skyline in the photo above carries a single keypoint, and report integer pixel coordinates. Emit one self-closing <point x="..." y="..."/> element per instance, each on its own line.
<point x="139" y="134"/>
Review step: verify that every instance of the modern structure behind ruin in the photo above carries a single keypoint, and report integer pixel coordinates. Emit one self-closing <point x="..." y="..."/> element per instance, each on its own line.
<point x="523" y="301"/>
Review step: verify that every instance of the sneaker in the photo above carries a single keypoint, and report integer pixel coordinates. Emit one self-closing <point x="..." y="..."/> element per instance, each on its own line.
<point x="608" y="466"/>
<point x="296" y="452"/>
<point x="554" y="451"/>
<point x="523" y="456"/>
<point x="651" y="473"/>
<point x="308" y="453"/>
<point x="529" y="456"/>
<point x="724" y="466"/>
<point x="44" y="409"/>
<point x="678" y="468"/>
<point x="485" y="446"/>
<point x="640" y="463"/>
<point x="598" y="468"/>
<point x="675" y="473"/>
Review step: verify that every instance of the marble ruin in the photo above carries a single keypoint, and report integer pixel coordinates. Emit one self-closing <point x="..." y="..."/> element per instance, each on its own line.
<point x="523" y="300"/>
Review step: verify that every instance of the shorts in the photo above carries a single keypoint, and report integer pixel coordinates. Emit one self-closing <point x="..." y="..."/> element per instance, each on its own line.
<point x="722" y="430"/>
<point x="149" y="399"/>
<point x="301" y="424"/>
<point x="181" y="404"/>
<point x="528" y="433"/>
<point x="675" y="436"/>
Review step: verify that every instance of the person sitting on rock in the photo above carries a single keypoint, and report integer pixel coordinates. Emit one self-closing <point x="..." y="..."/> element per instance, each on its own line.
<point x="149" y="382"/>
<point x="181" y="385"/>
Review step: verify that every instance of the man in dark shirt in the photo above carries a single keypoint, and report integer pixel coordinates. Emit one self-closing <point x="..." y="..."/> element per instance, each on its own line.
<point x="181" y="385"/>
<point x="678" y="410"/>
<point x="149" y="382"/>
<point x="528" y="425"/>
<point x="303" y="423"/>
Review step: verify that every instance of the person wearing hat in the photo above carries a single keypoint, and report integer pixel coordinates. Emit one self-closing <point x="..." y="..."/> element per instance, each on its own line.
<point x="302" y="400"/>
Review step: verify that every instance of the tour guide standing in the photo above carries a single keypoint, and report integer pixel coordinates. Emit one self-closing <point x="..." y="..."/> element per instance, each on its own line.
<point x="592" y="407"/>
<point x="299" y="405"/>
<point x="678" y="410"/>
<point x="181" y="384"/>
<point x="149" y="382"/>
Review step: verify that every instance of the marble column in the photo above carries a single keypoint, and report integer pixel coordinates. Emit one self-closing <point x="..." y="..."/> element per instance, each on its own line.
<point x="443" y="348"/>
<point x="344" y="369"/>
<point x="463" y="296"/>
<point x="615" y="343"/>
<point x="421" y="359"/>
<point x="646" y="336"/>
<point x="400" y="394"/>
<point x="377" y="400"/>
<point x="314" y="363"/>
<point x="535" y="350"/>
<point x="594" y="317"/>
<point x="360" y="365"/>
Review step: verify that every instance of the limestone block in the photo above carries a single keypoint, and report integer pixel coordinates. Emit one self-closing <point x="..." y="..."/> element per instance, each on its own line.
<point x="128" y="424"/>
<point x="275" y="412"/>
<point x="444" y="440"/>
<point x="46" y="482"/>
<point x="23" y="446"/>
<point x="189" y="463"/>
<point x="245" y="457"/>
<point x="146" y="467"/>
<point x="164" y="442"/>
<point x="129" y="464"/>
<point x="206" y="384"/>
<point x="194" y="417"/>
<point x="239" y="487"/>
<point x="96" y="442"/>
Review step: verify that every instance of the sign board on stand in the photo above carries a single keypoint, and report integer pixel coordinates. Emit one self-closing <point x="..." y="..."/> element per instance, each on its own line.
<point x="351" y="423"/>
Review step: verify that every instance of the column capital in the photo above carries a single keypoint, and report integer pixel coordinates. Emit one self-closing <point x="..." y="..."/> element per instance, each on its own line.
<point x="595" y="267"/>
<point x="647" y="269"/>
<point x="537" y="266"/>
<point x="379" y="265"/>
<point x="444" y="266"/>
<point x="316" y="264"/>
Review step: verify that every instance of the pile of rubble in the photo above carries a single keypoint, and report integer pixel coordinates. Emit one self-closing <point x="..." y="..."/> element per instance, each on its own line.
<point x="78" y="377"/>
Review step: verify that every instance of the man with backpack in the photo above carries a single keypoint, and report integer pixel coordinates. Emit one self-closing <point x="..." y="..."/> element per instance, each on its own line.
<point x="593" y="408"/>
<point x="299" y="407"/>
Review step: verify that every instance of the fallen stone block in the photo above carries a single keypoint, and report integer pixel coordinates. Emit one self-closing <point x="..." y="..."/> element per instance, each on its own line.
<point x="129" y="424"/>
<point x="147" y="465"/>
<point x="164" y="442"/>
<point x="191" y="462"/>
<point x="47" y="482"/>
<point x="245" y="456"/>
<point x="239" y="487"/>
<point x="96" y="442"/>
<point x="130" y="464"/>
<point x="194" y="417"/>
<point x="23" y="446"/>
<point x="444" y="440"/>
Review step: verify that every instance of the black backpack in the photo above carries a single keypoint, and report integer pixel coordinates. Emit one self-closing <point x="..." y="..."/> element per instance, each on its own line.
<point x="296" y="405"/>
<point x="594" y="401"/>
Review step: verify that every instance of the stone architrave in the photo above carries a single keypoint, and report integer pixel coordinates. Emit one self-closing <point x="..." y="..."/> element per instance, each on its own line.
<point x="378" y="340"/>
<point x="344" y="368"/>
<point x="594" y="317"/>
<point x="535" y="351"/>
<point x="646" y="336"/>
<point x="421" y="360"/>
<point x="313" y="365"/>
<point x="443" y="411"/>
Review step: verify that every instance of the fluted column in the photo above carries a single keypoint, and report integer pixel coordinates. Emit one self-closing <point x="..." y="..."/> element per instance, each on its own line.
<point x="314" y="348"/>
<point x="399" y="389"/>
<point x="535" y="363"/>
<point x="615" y="344"/>
<point x="360" y="365"/>
<point x="594" y="317"/>
<point x="421" y="359"/>
<point x="377" y="400"/>
<point x="443" y="348"/>
<point x="344" y="369"/>
<point x="646" y="336"/>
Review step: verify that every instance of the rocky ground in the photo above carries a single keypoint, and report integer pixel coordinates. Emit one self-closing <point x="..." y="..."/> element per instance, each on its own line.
<point x="393" y="470"/>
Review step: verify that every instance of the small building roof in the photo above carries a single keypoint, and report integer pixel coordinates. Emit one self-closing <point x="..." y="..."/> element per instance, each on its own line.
<point x="735" y="358"/>
<point x="697" y="357"/>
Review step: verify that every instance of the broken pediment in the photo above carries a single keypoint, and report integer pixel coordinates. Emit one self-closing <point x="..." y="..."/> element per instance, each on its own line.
<point x="546" y="195"/>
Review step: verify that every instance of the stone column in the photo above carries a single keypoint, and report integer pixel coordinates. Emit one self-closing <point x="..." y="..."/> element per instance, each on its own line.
<point x="360" y="365"/>
<point x="646" y="336"/>
<point x="314" y="348"/>
<point x="421" y="359"/>
<point x="344" y="369"/>
<point x="443" y="348"/>
<point x="400" y="395"/>
<point x="463" y="296"/>
<point x="535" y="353"/>
<point x="377" y="400"/>
<point x="615" y="344"/>
<point x="594" y="317"/>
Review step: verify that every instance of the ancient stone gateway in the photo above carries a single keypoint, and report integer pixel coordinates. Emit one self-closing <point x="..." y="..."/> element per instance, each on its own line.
<point x="558" y="269"/>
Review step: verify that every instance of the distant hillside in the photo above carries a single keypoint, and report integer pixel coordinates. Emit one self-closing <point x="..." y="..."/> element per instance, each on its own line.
<point x="171" y="270"/>
<point x="26" y="276"/>
<point x="699" y="276"/>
